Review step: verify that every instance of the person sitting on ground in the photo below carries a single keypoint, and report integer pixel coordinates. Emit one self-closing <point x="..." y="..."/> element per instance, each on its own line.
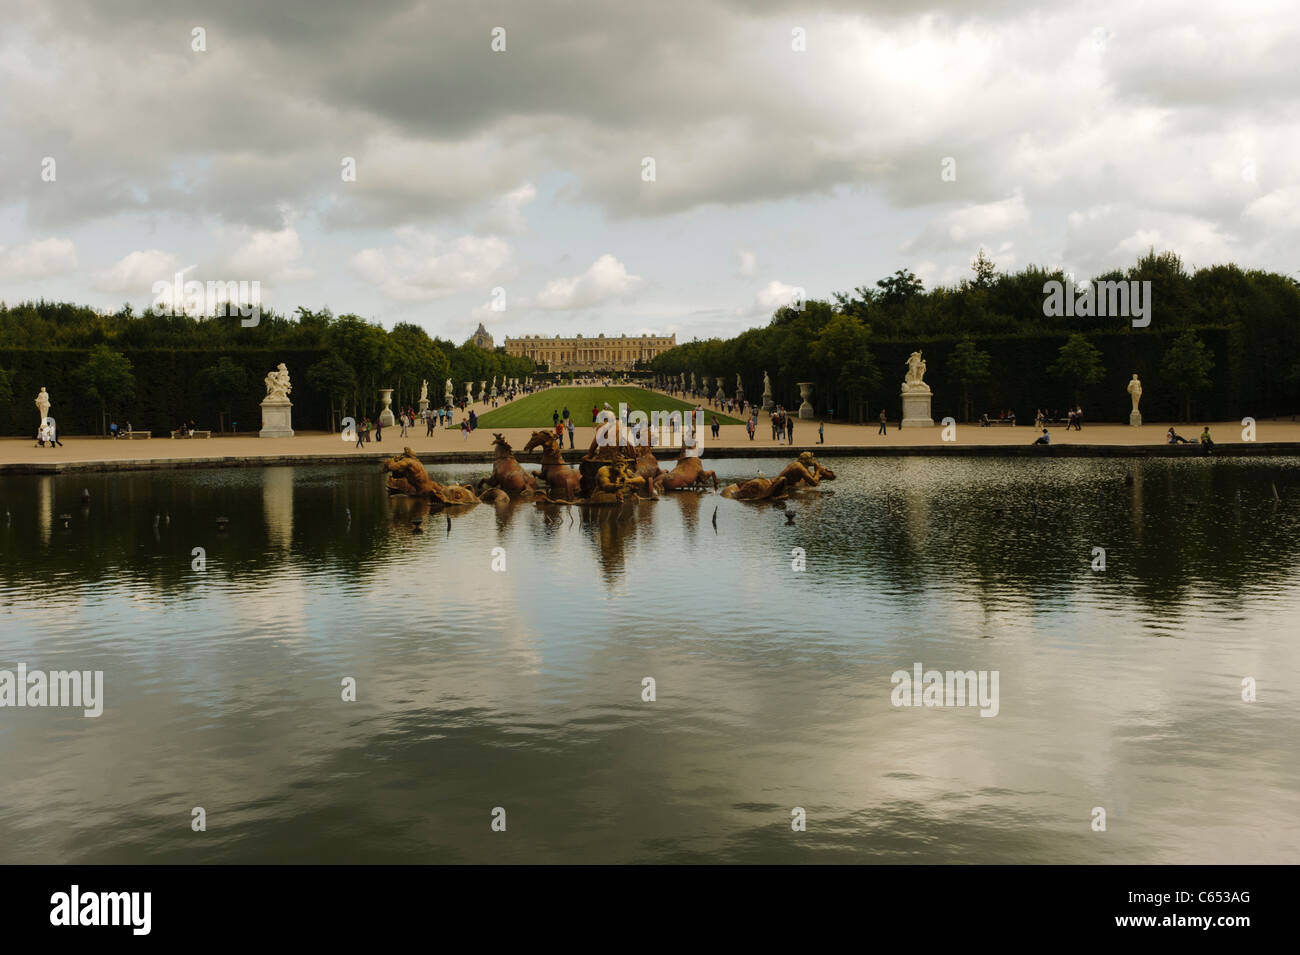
<point x="1175" y="437"/>
<point x="112" y="430"/>
<point x="1044" y="438"/>
<point x="1207" y="443"/>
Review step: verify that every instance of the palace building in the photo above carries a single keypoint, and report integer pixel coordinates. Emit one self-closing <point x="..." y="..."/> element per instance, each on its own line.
<point x="590" y="354"/>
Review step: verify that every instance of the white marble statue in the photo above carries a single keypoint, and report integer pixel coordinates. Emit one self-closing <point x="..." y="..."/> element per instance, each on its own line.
<point x="43" y="404"/>
<point x="424" y="390"/>
<point x="767" y="384"/>
<point x="449" y="394"/>
<point x="1135" y="391"/>
<point x="915" y="372"/>
<point x="277" y="383"/>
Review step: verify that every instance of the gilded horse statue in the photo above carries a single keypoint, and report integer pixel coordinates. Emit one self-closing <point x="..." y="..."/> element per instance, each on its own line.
<point x="757" y="489"/>
<point x="563" y="481"/>
<point x="506" y="472"/>
<point x="406" y="475"/>
<point x="687" y="472"/>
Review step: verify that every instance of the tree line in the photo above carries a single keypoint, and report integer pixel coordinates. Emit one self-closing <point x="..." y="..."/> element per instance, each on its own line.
<point x="157" y="370"/>
<point x="1223" y="343"/>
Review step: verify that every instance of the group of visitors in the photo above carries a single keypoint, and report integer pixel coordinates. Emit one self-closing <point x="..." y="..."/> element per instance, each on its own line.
<point x="115" y="432"/>
<point x="1005" y="417"/>
<point x="782" y="425"/>
<point x="1205" y="441"/>
<point x="47" y="435"/>
<point x="1073" y="418"/>
<point x="563" y="421"/>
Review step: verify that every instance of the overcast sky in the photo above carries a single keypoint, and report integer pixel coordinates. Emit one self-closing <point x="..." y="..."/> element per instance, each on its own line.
<point x="794" y="145"/>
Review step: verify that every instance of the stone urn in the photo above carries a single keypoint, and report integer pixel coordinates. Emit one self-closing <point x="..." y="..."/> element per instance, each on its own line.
<point x="805" y="392"/>
<point x="386" y="415"/>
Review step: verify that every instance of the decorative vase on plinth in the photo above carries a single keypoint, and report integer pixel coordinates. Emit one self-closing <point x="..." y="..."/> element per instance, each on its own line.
<point x="386" y="416"/>
<point x="916" y="406"/>
<point x="805" y="392"/>
<point x="277" y="418"/>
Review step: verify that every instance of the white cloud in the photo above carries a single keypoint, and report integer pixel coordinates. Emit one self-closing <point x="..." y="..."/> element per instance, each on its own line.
<point x="135" y="272"/>
<point x="267" y="256"/>
<point x="1279" y="209"/>
<point x="605" y="280"/>
<point x="37" y="259"/>
<point x="972" y="224"/>
<point x="506" y="216"/>
<point x="775" y="295"/>
<point x="746" y="263"/>
<point x="423" y="267"/>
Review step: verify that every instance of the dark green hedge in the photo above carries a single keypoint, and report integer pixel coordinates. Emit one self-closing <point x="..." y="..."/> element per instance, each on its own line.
<point x="166" y="390"/>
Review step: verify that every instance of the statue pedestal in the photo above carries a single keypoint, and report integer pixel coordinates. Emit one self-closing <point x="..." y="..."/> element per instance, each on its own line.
<point x="277" y="418"/>
<point x="424" y="406"/>
<point x="916" y="408"/>
<point x="768" y="403"/>
<point x="1135" y="419"/>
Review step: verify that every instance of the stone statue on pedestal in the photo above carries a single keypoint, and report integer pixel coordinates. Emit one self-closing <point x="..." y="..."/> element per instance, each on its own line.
<point x="768" y="403"/>
<point x="1135" y="392"/>
<point x="916" y="394"/>
<point x="277" y="410"/>
<point x="277" y="383"/>
<point x="43" y="404"/>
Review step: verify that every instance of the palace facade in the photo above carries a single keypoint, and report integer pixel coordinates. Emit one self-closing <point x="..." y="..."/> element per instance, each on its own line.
<point x="590" y="354"/>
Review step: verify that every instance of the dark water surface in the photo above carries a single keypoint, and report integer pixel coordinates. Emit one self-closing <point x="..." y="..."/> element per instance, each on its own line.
<point x="522" y="689"/>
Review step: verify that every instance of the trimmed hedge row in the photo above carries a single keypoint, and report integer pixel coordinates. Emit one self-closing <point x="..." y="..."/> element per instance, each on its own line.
<point x="166" y="390"/>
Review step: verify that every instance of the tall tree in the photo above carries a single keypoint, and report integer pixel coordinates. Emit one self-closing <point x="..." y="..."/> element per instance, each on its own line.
<point x="1078" y="364"/>
<point x="1186" y="368"/>
<point x="333" y="377"/>
<point x="106" y="378"/>
<point x="222" y="384"/>
<point x="969" y="365"/>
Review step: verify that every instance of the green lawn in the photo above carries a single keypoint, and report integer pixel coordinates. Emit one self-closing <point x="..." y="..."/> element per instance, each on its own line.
<point x="534" y="411"/>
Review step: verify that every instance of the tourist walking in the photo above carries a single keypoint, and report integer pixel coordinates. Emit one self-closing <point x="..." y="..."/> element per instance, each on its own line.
<point x="54" y="432"/>
<point x="821" y="433"/>
<point x="789" y="429"/>
<point x="555" y="419"/>
<point x="569" y="423"/>
<point x="428" y="423"/>
<point x="714" y="425"/>
<point x="884" y="421"/>
<point x="361" y="434"/>
<point x="379" y="430"/>
<point x="750" y="425"/>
